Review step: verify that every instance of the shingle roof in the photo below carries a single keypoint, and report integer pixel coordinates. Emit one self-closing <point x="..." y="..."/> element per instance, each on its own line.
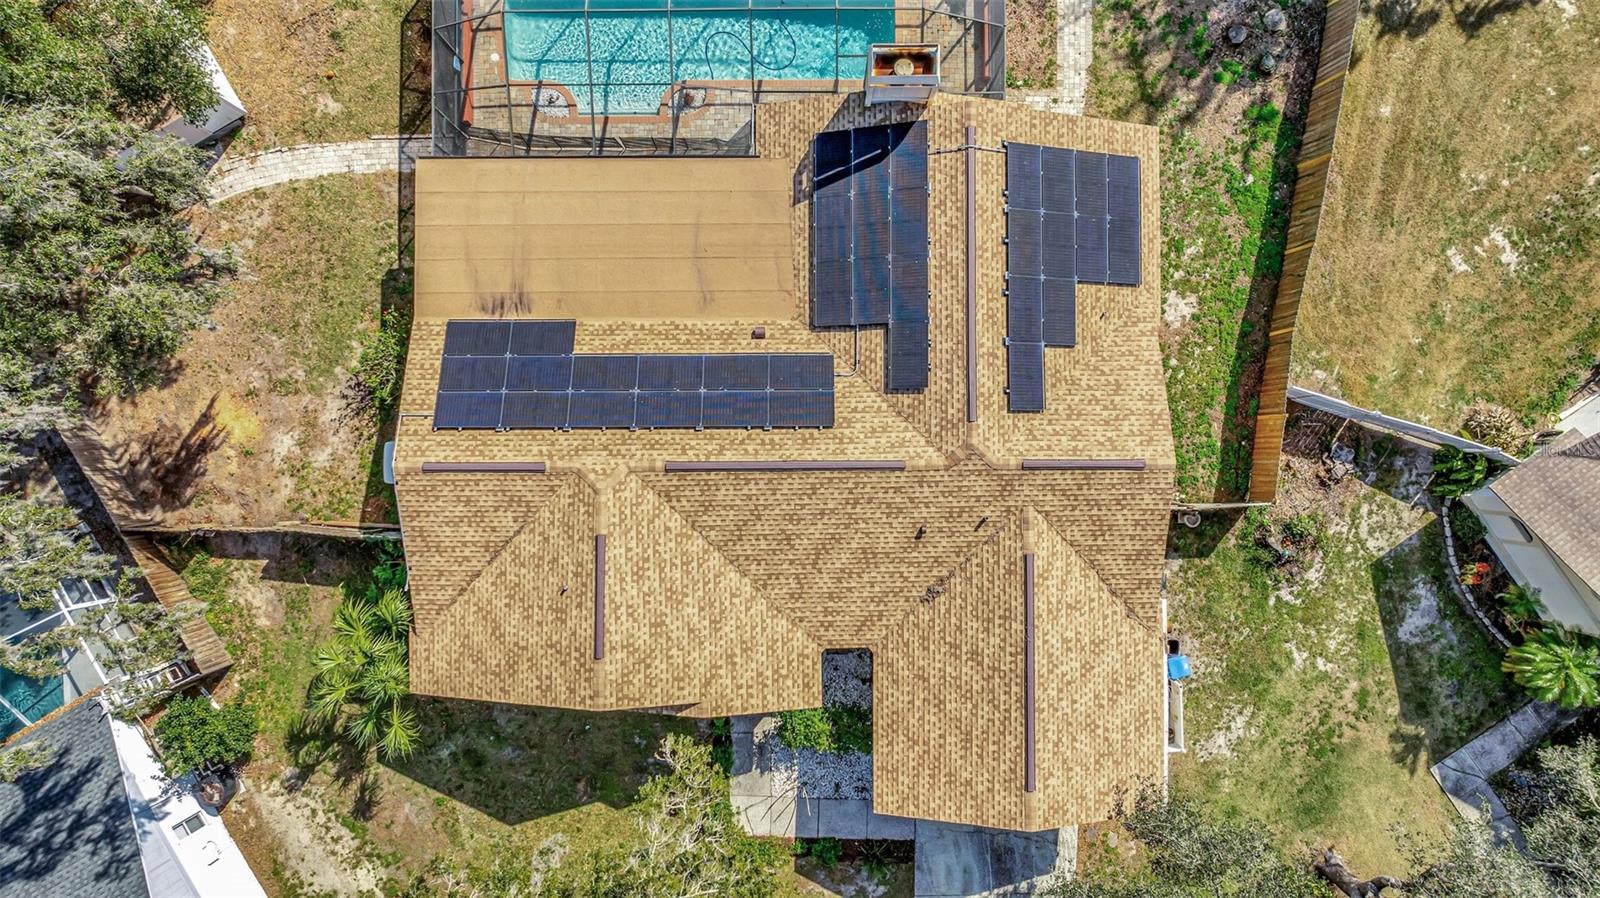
<point x="66" y="830"/>
<point x="1556" y="493"/>
<point x="721" y="589"/>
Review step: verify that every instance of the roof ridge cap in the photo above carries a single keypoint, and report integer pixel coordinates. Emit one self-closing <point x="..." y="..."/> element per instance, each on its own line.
<point x="1012" y="519"/>
<point x="493" y="556"/>
<point x="755" y="588"/>
<point x="1127" y="607"/>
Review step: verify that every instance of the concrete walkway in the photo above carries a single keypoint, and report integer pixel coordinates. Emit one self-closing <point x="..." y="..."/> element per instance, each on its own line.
<point x="243" y="174"/>
<point x="1465" y="774"/>
<point x="952" y="861"/>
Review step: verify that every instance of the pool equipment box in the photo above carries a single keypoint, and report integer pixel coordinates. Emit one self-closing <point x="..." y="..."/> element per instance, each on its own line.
<point x="906" y="73"/>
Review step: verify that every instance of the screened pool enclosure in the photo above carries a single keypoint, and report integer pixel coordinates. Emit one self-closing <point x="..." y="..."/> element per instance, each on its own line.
<point x="514" y="77"/>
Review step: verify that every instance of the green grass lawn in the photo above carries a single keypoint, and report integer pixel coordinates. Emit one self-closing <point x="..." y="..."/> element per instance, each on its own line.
<point x="1321" y="699"/>
<point x="1228" y="136"/>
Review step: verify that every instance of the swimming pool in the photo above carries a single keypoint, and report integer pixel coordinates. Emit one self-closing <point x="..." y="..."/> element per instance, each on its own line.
<point x="33" y="698"/>
<point x="637" y="55"/>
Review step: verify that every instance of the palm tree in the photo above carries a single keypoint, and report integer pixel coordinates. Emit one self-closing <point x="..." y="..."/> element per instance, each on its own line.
<point x="362" y="679"/>
<point x="1554" y="666"/>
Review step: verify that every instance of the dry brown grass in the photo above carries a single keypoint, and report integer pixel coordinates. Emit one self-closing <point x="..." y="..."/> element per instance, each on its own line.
<point x="254" y="425"/>
<point x="1031" y="44"/>
<point x="1469" y="135"/>
<point x="311" y="70"/>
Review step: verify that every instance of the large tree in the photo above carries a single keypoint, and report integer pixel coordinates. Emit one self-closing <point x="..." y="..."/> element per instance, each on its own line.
<point x="140" y="60"/>
<point x="99" y="273"/>
<point x="39" y="547"/>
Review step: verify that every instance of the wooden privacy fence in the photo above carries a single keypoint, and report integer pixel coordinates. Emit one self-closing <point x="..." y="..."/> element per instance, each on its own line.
<point x="1305" y="213"/>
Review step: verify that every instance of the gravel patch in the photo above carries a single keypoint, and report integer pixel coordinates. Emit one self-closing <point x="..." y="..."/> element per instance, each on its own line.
<point x="847" y="679"/>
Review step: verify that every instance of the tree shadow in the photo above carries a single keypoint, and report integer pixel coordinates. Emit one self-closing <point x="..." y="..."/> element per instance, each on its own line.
<point x="1445" y="671"/>
<point x="1407" y="19"/>
<point x="289" y="557"/>
<point x="164" y="468"/>
<point x="519" y="763"/>
<point x="69" y="821"/>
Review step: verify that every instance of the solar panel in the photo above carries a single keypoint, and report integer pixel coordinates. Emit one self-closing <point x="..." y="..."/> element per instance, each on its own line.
<point x="671" y="372"/>
<point x="734" y="408"/>
<point x="1090" y="187"/>
<point x="1091" y="259"/>
<point x="1058" y="245"/>
<point x="1025" y="310"/>
<point x="539" y="372"/>
<point x="1085" y="230"/>
<point x="524" y="411"/>
<point x="600" y="408"/>
<point x="830" y="156"/>
<point x="908" y="356"/>
<point x="542" y="337"/>
<point x="1023" y="228"/>
<point x="1056" y="179"/>
<point x="1122" y="209"/>
<point x="477" y="337"/>
<point x="802" y="372"/>
<point x="801" y="408"/>
<point x="467" y="411"/>
<point x="468" y="373"/>
<point x="869" y="261"/>
<point x="1022" y="176"/>
<point x="605" y="372"/>
<point x="1060" y="312"/>
<point x="736" y="372"/>
<point x="679" y="409"/>
<point x="1025" y="377"/>
<point x="567" y="391"/>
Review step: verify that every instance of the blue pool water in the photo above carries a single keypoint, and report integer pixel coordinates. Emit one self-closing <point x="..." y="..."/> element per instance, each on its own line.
<point x="34" y="698"/>
<point x="637" y="55"/>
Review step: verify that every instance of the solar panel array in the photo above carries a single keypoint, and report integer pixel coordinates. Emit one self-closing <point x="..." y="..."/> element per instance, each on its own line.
<point x="869" y="259"/>
<point x="518" y="375"/>
<point x="1071" y="217"/>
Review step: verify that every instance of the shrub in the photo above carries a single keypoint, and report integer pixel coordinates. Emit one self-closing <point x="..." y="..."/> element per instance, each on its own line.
<point x="382" y="362"/>
<point x="1228" y="71"/>
<point x="835" y="729"/>
<point x="195" y="736"/>
<point x="826" y="851"/>
<point x="1456" y="473"/>
<point x="1497" y="426"/>
<point x="1557" y="666"/>
<point x="1522" y="606"/>
<point x="1466" y="525"/>
<point x="362" y="680"/>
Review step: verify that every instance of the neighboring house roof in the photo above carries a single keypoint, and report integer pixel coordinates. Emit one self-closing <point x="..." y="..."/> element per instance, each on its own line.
<point x="721" y="588"/>
<point x="1556" y="494"/>
<point x="66" y="830"/>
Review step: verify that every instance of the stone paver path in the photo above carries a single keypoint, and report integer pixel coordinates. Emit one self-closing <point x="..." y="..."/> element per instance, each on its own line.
<point x="1465" y="774"/>
<point x="1074" y="53"/>
<point x="243" y="174"/>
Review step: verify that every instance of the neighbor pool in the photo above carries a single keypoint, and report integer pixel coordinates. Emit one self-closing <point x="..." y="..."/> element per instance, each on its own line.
<point x="34" y="698"/>
<point x="636" y="55"/>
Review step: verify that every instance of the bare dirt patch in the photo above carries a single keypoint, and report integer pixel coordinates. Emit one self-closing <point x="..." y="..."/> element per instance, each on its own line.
<point x="311" y="70"/>
<point x="1459" y="252"/>
<point x="1031" y="44"/>
<point x="295" y="836"/>
<point x="254" y="424"/>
